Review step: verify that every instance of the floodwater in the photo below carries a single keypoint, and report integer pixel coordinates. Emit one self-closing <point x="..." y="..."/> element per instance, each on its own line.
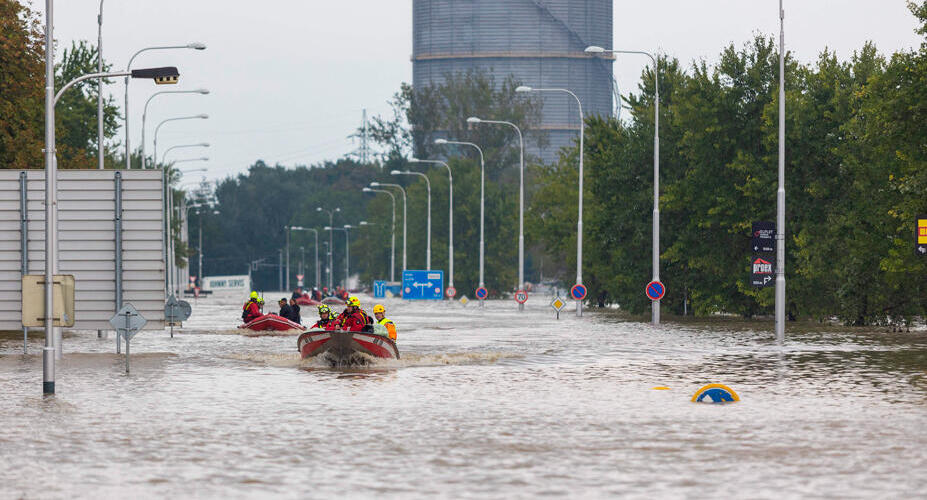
<point x="485" y="403"/>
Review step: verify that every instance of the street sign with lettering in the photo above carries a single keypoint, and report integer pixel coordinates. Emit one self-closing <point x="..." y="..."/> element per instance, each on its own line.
<point x="423" y="285"/>
<point x="521" y="296"/>
<point x="763" y="271"/>
<point x="763" y="238"/>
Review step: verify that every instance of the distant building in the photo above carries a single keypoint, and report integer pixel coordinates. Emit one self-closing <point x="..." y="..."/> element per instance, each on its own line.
<point x="540" y="42"/>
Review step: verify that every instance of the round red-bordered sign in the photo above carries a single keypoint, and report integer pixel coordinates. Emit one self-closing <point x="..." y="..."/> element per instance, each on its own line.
<point x="655" y="290"/>
<point x="521" y="296"/>
<point x="451" y="292"/>
<point x="481" y="293"/>
<point x="578" y="292"/>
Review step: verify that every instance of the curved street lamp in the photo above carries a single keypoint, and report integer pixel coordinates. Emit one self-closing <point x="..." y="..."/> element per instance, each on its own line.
<point x="145" y="113"/>
<point x="405" y="217"/>
<point x="450" y="217"/>
<point x="392" y="245"/>
<point x="428" y="218"/>
<point x="521" y="200"/>
<point x="193" y="45"/>
<point x="331" y="242"/>
<point x="482" y="197"/>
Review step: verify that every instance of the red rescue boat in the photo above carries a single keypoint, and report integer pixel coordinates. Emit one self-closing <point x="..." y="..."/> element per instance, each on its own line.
<point x="306" y="300"/>
<point x="271" y="322"/>
<point x="346" y="348"/>
<point x="333" y="301"/>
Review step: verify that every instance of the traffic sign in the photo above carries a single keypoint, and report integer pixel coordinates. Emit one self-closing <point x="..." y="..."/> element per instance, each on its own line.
<point x="763" y="273"/>
<point x="482" y="293"/>
<point x="451" y="292"/>
<point x="176" y="310"/>
<point x="920" y="247"/>
<point x="557" y="304"/>
<point x="578" y="292"/>
<point x="379" y="289"/>
<point x="299" y="280"/>
<point x="521" y="296"/>
<point x="763" y="237"/>
<point x="127" y="321"/>
<point x="655" y="290"/>
<point x="192" y="279"/>
<point x="464" y="300"/>
<point x="423" y="285"/>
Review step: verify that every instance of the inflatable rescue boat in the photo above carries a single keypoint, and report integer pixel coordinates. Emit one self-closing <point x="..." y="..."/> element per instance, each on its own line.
<point x="271" y="322"/>
<point x="347" y="348"/>
<point x="306" y="300"/>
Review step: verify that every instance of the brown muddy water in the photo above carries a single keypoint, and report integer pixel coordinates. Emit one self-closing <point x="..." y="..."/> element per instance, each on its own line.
<point x="483" y="404"/>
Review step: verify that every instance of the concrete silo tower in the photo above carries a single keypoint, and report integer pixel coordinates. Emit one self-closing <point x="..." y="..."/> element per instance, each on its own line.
<point x="540" y="42"/>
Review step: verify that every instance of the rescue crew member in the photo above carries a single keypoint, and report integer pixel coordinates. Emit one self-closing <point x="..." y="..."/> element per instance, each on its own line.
<point x="354" y="319"/>
<point x="298" y="292"/>
<point x="294" y="312"/>
<point x="326" y="321"/>
<point x="285" y="311"/>
<point x="251" y="310"/>
<point x="379" y="312"/>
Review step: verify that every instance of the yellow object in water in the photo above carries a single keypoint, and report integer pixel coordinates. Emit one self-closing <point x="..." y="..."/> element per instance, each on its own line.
<point x="661" y="388"/>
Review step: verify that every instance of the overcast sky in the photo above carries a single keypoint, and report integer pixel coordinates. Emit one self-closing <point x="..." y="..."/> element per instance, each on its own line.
<point x="288" y="79"/>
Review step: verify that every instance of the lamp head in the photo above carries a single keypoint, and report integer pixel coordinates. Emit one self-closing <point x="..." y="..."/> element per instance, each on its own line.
<point x="374" y="184"/>
<point x="394" y="172"/>
<point x="318" y="209"/>
<point x="202" y="91"/>
<point x="327" y="228"/>
<point x="523" y="88"/>
<point x="203" y="144"/>
<point x="367" y="190"/>
<point x="202" y="116"/>
<point x="348" y="226"/>
<point x="197" y="46"/>
<point x="473" y="119"/>
<point x="440" y="141"/>
<point x="594" y="49"/>
<point x="414" y="160"/>
<point x="337" y="209"/>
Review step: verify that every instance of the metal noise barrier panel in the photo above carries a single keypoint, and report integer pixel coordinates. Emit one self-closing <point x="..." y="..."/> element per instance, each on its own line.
<point x="87" y="242"/>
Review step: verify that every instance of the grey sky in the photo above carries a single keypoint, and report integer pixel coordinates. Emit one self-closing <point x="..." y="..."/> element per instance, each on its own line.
<point x="289" y="78"/>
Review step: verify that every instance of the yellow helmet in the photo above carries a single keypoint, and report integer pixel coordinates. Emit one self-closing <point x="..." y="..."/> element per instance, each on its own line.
<point x="260" y="300"/>
<point x="323" y="308"/>
<point x="353" y="301"/>
<point x="254" y="295"/>
<point x="379" y="309"/>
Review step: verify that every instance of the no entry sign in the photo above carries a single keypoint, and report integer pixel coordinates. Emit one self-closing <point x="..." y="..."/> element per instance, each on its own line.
<point x="655" y="290"/>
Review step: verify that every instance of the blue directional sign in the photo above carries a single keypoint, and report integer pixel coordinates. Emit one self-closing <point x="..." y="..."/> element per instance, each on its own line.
<point x="423" y="285"/>
<point x="379" y="289"/>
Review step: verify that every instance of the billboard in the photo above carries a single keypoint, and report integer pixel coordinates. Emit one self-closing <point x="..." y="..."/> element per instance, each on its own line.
<point x="241" y="283"/>
<point x="87" y="241"/>
<point x="423" y="285"/>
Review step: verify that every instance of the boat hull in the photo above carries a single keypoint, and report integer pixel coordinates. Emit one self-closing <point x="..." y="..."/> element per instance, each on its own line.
<point x="271" y="322"/>
<point x="333" y="301"/>
<point x="346" y="348"/>
<point x="307" y="301"/>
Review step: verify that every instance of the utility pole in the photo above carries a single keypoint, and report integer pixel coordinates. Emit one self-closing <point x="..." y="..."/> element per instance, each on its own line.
<point x="780" y="193"/>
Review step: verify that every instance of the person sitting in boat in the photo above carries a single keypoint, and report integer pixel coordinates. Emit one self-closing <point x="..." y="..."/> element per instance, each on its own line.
<point x="251" y="310"/>
<point x="297" y="293"/>
<point x="325" y="292"/>
<point x="326" y="321"/>
<point x="294" y="312"/>
<point x="379" y="313"/>
<point x="354" y="319"/>
<point x="285" y="311"/>
<point x="316" y="294"/>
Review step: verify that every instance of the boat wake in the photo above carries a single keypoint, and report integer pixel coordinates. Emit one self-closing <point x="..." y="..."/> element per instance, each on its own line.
<point x="363" y="361"/>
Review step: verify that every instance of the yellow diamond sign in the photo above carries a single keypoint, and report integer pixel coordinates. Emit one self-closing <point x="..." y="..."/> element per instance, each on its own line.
<point x="464" y="300"/>
<point x="558" y="304"/>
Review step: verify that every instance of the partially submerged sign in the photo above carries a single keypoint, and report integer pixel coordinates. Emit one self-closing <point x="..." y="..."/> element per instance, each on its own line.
<point x="128" y="321"/>
<point x="33" y="300"/>
<point x="176" y="311"/>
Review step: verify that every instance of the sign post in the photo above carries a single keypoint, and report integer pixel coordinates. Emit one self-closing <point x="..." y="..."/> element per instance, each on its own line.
<point x="557" y="304"/>
<point x="127" y="323"/>
<point x="176" y="311"/>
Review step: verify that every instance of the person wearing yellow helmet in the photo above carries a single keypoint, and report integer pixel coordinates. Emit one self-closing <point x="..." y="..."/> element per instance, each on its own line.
<point x="326" y="321"/>
<point x="252" y="308"/>
<point x="354" y="319"/>
<point x="379" y="312"/>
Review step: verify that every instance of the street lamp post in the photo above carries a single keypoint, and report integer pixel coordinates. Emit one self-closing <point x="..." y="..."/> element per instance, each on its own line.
<point x="428" y="218"/>
<point x="287" y="229"/>
<point x="655" y="305"/>
<point x="100" y="87"/>
<point x="170" y="264"/>
<point x="347" y="250"/>
<point x="521" y="200"/>
<point x="194" y="45"/>
<point x="450" y="217"/>
<point x="404" y="217"/>
<point x="331" y="242"/>
<point x="316" y="233"/>
<point x="780" y="193"/>
<point x="482" y="197"/>
<point x="392" y="245"/>
<point x="579" y="219"/>
<point x="145" y="113"/>
<point x="328" y="252"/>
<point x="51" y="174"/>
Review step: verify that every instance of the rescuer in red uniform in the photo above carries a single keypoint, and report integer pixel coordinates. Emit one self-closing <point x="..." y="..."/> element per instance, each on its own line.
<point x="252" y="309"/>
<point x="354" y="319"/>
<point x="326" y="321"/>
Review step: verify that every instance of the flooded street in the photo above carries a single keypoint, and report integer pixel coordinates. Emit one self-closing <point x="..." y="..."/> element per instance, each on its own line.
<point x="483" y="403"/>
